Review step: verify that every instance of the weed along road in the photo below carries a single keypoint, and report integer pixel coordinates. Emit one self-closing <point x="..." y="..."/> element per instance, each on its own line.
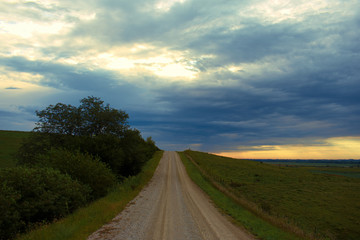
<point x="171" y="207"/>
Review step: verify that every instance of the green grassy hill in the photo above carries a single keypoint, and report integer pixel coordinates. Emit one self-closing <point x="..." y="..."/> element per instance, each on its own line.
<point x="323" y="205"/>
<point x="10" y="141"/>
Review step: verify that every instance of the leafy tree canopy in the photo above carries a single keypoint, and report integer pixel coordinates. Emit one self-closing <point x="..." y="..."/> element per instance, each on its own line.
<point x="92" y="128"/>
<point x="74" y="155"/>
<point x="91" y="118"/>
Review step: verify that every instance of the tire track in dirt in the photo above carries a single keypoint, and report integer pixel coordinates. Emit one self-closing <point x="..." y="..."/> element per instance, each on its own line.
<point x="171" y="207"/>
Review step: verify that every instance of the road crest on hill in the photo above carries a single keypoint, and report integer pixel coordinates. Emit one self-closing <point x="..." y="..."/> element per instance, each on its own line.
<point x="170" y="207"/>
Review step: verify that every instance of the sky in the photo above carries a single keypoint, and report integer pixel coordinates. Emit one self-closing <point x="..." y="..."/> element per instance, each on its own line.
<point x="246" y="79"/>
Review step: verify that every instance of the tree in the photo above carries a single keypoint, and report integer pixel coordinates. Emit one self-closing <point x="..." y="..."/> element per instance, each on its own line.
<point x="73" y="155"/>
<point x="92" y="128"/>
<point x="91" y="118"/>
<point x="59" y="118"/>
<point x="100" y="119"/>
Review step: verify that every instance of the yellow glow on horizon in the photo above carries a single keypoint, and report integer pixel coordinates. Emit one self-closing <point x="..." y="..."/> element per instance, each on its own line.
<point x="333" y="148"/>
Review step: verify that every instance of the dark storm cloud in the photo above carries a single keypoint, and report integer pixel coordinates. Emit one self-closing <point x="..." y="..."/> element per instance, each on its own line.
<point x="297" y="78"/>
<point x="62" y="76"/>
<point x="205" y="28"/>
<point x="140" y="21"/>
<point x="251" y="43"/>
<point x="76" y="83"/>
<point x="315" y="104"/>
<point x="58" y="75"/>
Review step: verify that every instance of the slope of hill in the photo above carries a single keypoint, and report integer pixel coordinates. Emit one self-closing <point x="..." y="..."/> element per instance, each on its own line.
<point x="324" y="206"/>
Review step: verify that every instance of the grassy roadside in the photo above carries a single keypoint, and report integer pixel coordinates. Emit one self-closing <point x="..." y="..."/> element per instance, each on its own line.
<point x="85" y="221"/>
<point x="321" y="205"/>
<point x="243" y="217"/>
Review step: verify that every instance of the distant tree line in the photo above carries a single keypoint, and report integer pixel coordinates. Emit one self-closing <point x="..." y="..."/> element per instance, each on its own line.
<point x="73" y="156"/>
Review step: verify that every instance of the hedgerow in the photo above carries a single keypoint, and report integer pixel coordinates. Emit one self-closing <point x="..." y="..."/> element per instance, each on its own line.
<point x="34" y="195"/>
<point x="74" y="155"/>
<point x="83" y="167"/>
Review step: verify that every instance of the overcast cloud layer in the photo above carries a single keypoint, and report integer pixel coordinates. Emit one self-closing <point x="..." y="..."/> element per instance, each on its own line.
<point x="210" y="75"/>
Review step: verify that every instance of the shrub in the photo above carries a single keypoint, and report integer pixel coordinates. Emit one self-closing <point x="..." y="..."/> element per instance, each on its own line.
<point x="9" y="215"/>
<point x="109" y="150"/>
<point x="82" y="167"/>
<point x="32" y="195"/>
<point x="37" y="143"/>
<point x="124" y="156"/>
<point x="93" y="128"/>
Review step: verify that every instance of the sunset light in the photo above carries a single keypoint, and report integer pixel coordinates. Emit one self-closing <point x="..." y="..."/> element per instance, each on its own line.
<point x="247" y="79"/>
<point x="332" y="148"/>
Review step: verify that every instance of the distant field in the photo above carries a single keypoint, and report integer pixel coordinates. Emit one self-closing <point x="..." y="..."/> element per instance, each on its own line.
<point x="356" y="165"/>
<point x="319" y="163"/>
<point x="348" y="168"/>
<point x="353" y="173"/>
<point x="322" y="201"/>
<point x="10" y="141"/>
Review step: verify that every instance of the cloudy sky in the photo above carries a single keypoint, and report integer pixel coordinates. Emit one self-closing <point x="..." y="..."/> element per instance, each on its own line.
<point x="248" y="79"/>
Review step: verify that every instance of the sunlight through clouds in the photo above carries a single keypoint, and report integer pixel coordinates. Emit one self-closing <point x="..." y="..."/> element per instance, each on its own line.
<point x="175" y="70"/>
<point x="19" y="80"/>
<point x="165" y="5"/>
<point x="269" y="74"/>
<point x="164" y="66"/>
<point x="30" y="29"/>
<point x="110" y="61"/>
<point x="161" y="62"/>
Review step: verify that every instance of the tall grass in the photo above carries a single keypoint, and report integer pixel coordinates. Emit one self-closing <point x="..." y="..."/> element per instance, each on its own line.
<point x="85" y="221"/>
<point x="254" y="224"/>
<point x="314" y="205"/>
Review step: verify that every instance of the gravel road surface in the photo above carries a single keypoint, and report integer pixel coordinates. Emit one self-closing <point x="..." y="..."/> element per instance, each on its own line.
<point x="171" y="207"/>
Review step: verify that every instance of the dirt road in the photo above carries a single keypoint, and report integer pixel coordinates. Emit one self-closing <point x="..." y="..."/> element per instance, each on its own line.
<point x="171" y="207"/>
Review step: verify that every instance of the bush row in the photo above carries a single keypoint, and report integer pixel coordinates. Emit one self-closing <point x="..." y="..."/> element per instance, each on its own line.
<point x="124" y="156"/>
<point x="52" y="186"/>
<point x="33" y="195"/>
<point x="73" y="156"/>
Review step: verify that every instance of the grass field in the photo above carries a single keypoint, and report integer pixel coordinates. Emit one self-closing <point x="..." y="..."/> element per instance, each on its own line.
<point x="352" y="173"/>
<point x="322" y="201"/>
<point x="260" y="228"/>
<point x="323" y="205"/>
<point x="316" y="164"/>
<point x="10" y="141"/>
